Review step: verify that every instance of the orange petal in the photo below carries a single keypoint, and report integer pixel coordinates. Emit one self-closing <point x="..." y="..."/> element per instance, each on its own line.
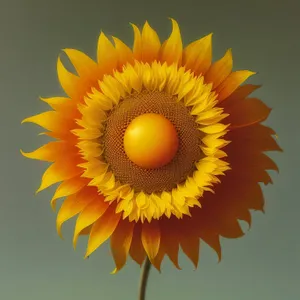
<point x="60" y="170"/>
<point x="68" y="81"/>
<point x="65" y="106"/>
<point x="51" y="120"/>
<point x="67" y="188"/>
<point x="120" y="243"/>
<point x="244" y="215"/>
<point x="256" y="135"/>
<point x="137" y="45"/>
<point x="240" y="93"/>
<point x="150" y="44"/>
<point x="157" y="260"/>
<point x="151" y="238"/>
<point x="190" y="246"/>
<point x="107" y="55"/>
<point x="170" y="244"/>
<point x="171" y="51"/>
<point x="49" y="152"/>
<point x="137" y="251"/>
<point x="84" y="65"/>
<point x="220" y="70"/>
<point x="231" y="83"/>
<point x="247" y="112"/>
<point x="229" y="227"/>
<point x="73" y="205"/>
<point x="102" y="229"/>
<point x="86" y="231"/>
<point x="125" y="54"/>
<point x="213" y="240"/>
<point x="197" y="55"/>
<point x="89" y="215"/>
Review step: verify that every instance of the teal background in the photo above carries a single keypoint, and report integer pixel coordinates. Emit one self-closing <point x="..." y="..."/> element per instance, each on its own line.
<point x="35" y="264"/>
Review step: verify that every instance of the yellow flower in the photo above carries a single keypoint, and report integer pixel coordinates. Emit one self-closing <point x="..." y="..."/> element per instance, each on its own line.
<point x="156" y="147"/>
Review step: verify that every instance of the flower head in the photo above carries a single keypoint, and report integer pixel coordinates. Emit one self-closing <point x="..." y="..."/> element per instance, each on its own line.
<point x="155" y="147"/>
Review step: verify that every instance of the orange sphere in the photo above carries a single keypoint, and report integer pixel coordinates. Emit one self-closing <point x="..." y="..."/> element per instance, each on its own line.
<point x="151" y="141"/>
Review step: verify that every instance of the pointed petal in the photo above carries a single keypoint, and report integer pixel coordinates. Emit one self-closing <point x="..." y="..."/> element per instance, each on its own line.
<point x="73" y="205"/>
<point x="231" y="83"/>
<point x="151" y="238"/>
<point x="240" y="93"/>
<point x="171" y="51"/>
<point x="60" y="170"/>
<point x="170" y="244"/>
<point x="91" y="213"/>
<point x="157" y="260"/>
<point x="197" y="56"/>
<point x="68" y="81"/>
<point x="67" y="188"/>
<point x="120" y="243"/>
<point x="107" y="55"/>
<point x="220" y="70"/>
<point x="65" y="106"/>
<point x="137" y="45"/>
<point x="229" y="227"/>
<point x="190" y="246"/>
<point x="125" y="54"/>
<point x="258" y="135"/>
<point x="150" y="44"/>
<point x="137" y="251"/>
<point x="102" y="229"/>
<point x="213" y="240"/>
<point x="246" y="112"/>
<point x="86" y="231"/>
<point x="49" y="152"/>
<point x="245" y="215"/>
<point x="51" y="120"/>
<point x="84" y="65"/>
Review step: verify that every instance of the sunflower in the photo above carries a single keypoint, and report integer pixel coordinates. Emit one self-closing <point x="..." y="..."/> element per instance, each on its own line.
<point x="155" y="147"/>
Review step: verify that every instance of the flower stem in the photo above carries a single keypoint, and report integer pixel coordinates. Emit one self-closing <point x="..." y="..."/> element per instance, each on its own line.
<point x="144" y="279"/>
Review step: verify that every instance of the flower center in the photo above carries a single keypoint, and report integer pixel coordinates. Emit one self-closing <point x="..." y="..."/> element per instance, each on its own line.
<point x="150" y="141"/>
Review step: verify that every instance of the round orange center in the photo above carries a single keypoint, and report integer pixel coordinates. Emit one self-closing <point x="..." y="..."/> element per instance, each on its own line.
<point x="151" y="141"/>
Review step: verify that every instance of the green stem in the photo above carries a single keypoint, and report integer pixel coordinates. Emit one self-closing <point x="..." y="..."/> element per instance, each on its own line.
<point x="144" y="279"/>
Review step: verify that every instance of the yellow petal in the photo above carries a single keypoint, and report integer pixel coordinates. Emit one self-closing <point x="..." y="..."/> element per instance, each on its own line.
<point x="83" y="64"/>
<point x="171" y="51"/>
<point x="73" y="205"/>
<point x="150" y="44"/>
<point x="60" y="170"/>
<point x="231" y="83"/>
<point x="107" y="55"/>
<point x="65" y="106"/>
<point x="219" y="70"/>
<point x="212" y="129"/>
<point x="151" y="238"/>
<point x="49" y="152"/>
<point x="190" y="246"/>
<point x="125" y="54"/>
<point x="120" y="243"/>
<point x="50" y="120"/>
<point x="91" y="213"/>
<point x="68" y="81"/>
<point x="137" y="45"/>
<point x="67" y="188"/>
<point x="102" y="230"/>
<point x="197" y="56"/>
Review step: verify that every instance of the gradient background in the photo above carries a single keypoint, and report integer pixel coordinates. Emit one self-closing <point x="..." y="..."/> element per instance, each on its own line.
<point x="35" y="264"/>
